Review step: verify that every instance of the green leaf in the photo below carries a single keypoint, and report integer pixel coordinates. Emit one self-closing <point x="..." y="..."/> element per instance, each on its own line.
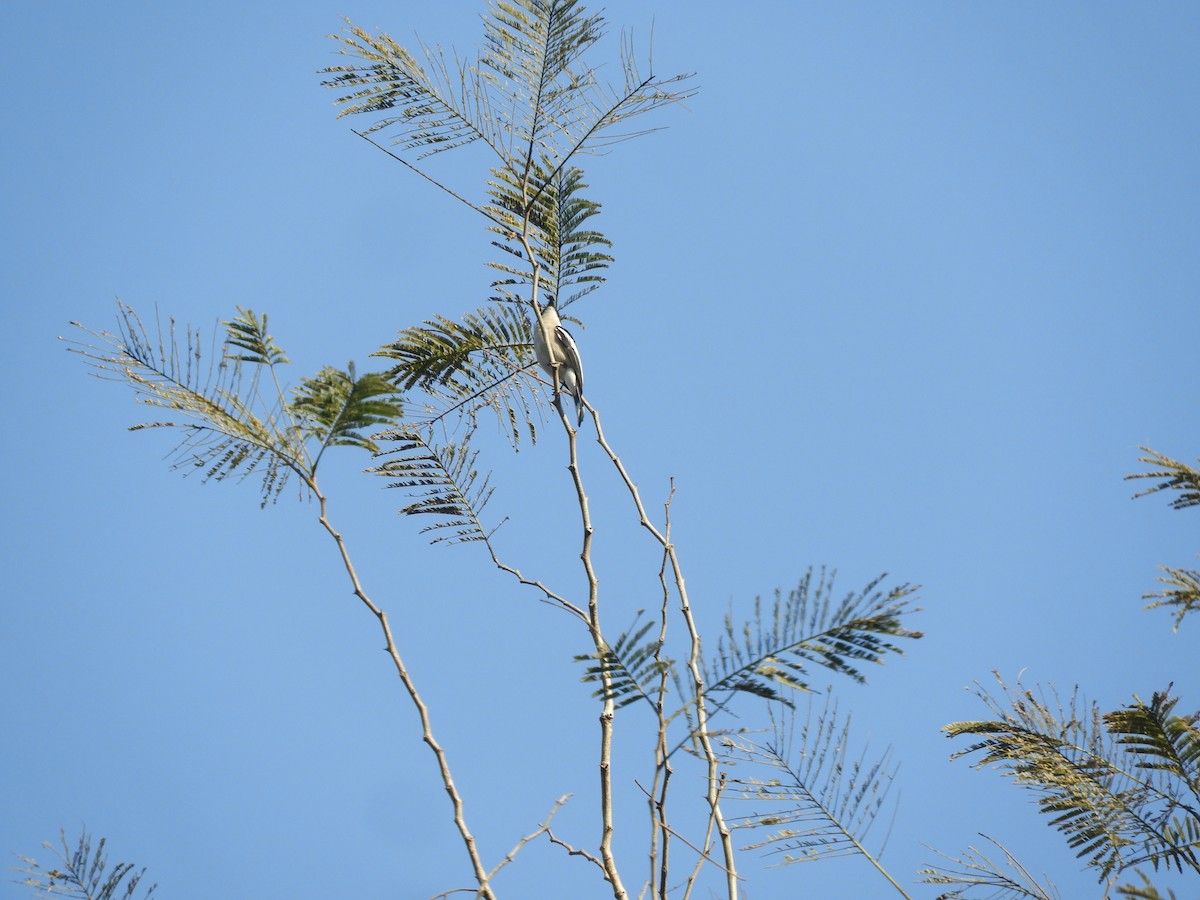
<point x="528" y="95"/>
<point x="1010" y="879"/>
<point x="469" y="366"/>
<point x="1159" y="739"/>
<point x="248" y="333"/>
<point x="1182" y="592"/>
<point x="228" y="429"/>
<point x="83" y="874"/>
<point x="570" y="263"/>
<point x="442" y="478"/>
<point x="807" y="628"/>
<point x="430" y="110"/>
<point x="817" y="799"/>
<point x="1145" y="891"/>
<point x="628" y="669"/>
<point x="1121" y="787"/>
<point x="337" y="408"/>
<point x="1171" y="475"/>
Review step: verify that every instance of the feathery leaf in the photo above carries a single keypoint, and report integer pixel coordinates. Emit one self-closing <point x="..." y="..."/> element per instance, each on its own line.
<point x="1172" y="475"/>
<point x="465" y="367"/>
<point x="1121" y="787"/>
<point x="1010" y="880"/>
<point x="444" y="480"/>
<point x="83" y="874"/>
<point x="430" y="110"/>
<point x="821" y="801"/>
<point x="1145" y="891"/>
<point x="630" y="667"/>
<point x="568" y="254"/>
<point x="229" y="430"/>
<point x="339" y="409"/>
<point x="1182" y="592"/>
<point x="528" y="95"/>
<point x="807" y="628"/>
<point x="248" y="333"/>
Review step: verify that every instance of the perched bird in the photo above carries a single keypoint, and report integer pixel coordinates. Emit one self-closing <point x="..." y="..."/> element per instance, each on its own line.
<point x="553" y="345"/>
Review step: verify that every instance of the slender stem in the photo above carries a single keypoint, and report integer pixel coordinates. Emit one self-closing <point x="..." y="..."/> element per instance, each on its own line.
<point x="573" y="851"/>
<point x="691" y="882"/>
<point x="694" y="669"/>
<point x="481" y="873"/>
<point x="400" y="159"/>
<point x="542" y="829"/>
<point x="608" y="710"/>
<point x="715" y="777"/>
<point x="657" y="796"/>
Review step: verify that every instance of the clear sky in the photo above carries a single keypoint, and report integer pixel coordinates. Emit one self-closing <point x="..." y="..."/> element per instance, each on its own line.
<point x="902" y="289"/>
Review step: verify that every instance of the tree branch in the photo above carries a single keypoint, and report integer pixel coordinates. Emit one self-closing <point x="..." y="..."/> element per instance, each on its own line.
<point x="481" y="874"/>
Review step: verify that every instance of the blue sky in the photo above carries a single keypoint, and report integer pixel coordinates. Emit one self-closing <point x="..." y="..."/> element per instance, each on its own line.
<point x="902" y="289"/>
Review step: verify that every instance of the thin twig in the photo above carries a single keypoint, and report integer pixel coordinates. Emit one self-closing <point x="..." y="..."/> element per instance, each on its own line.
<point x="701" y="735"/>
<point x="657" y="796"/>
<point x="550" y="596"/>
<point x="542" y="829"/>
<point x="574" y="851"/>
<point x="662" y="824"/>
<point x="481" y="875"/>
<point x="400" y="159"/>
<point x="714" y="812"/>
<point x="608" y="710"/>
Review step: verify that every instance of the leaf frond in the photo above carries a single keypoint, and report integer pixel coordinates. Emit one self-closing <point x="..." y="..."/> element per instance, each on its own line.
<point x="627" y="670"/>
<point x="429" y="110"/>
<point x="1120" y="787"/>
<point x="1144" y="891"/>
<point x="571" y="255"/>
<point x="533" y="51"/>
<point x="528" y="95"/>
<point x="468" y="366"/>
<point x="1170" y="475"/>
<point x="805" y="628"/>
<point x="1181" y="594"/>
<point x="1008" y="880"/>
<point x="248" y="333"/>
<point x="442" y="478"/>
<point x="229" y="429"/>
<point x="819" y="800"/>
<point x="339" y="409"/>
<point x="82" y="873"/>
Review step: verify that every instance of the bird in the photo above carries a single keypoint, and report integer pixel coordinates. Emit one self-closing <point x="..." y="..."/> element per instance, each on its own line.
<point x="553" y="345"/>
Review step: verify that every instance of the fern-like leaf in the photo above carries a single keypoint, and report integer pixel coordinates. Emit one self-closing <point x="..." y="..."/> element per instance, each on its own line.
<point x="627" y="670"/>
<point x="442" y="478"/>
<point x="1181" y="595"/>
<point x="228" y="429"/>
<point x="1009" y="880"/>
<point x="808" y="628"/>
<point x="248" y="333"/>
<point x="528" y="95"/>
<point x="569" y="255"/>
<point x="468" y="366"/>
<point x="1161" y="741"/>
<point x="82" y="873"/>
<point x="817" y="800"/>
<point x="1144" y="891"/>
<point x="429" y="110"/>
<point x="340" y="409"/>
<point x="1120" y="787"/>
<point x="1171" y="475"/>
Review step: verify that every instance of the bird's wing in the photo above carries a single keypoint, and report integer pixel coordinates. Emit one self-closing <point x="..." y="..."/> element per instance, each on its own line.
<point x="572" y="360"/>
